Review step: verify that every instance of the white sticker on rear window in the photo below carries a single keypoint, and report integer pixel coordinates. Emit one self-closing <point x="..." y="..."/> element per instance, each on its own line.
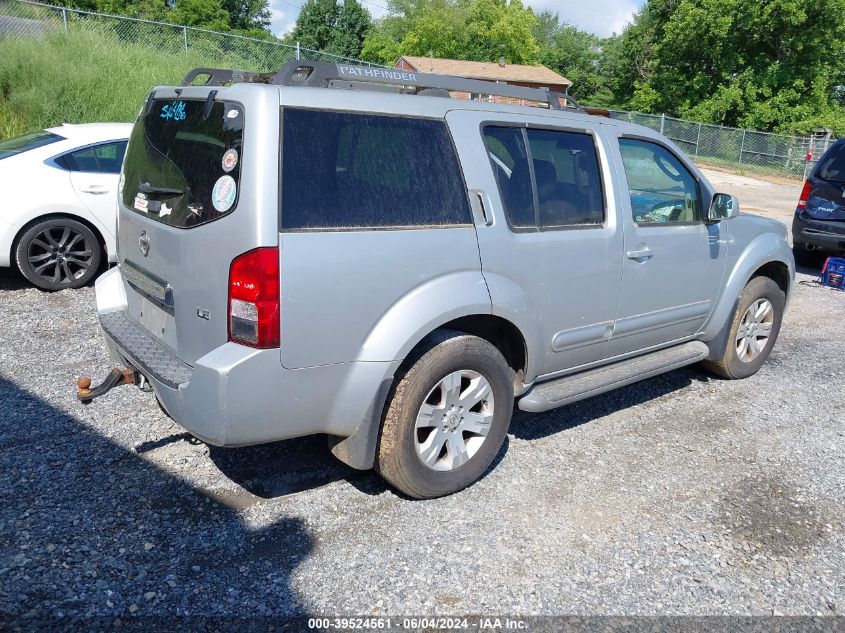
<point x="223" y="194"/>
<point x="230" y="160"/>
<point x="141" y="203"/>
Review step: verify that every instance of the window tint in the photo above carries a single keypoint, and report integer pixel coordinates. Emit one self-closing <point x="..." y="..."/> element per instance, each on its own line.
<point x="832" y="165"/>
<point x="360" y="170"/>
<point x="83" y="160"/>
<point x="21" y="144"/>
<point x="110" y="157"/>
<point x="506" y="148"/>
<point x="184" y="161"/>
<point x="662" y="190"/>
<point x="565" y="188"/>
<point x="106" y="158"/>
<point x="566" y="168"/>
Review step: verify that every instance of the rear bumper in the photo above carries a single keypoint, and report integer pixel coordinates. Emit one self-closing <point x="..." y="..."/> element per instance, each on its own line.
<point x="818" y="234"/>
<point x="236" y="395"/>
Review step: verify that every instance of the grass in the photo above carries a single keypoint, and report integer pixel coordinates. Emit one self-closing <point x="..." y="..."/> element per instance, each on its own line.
<point x="749" y="169"/>
<point x="81" y="77"/>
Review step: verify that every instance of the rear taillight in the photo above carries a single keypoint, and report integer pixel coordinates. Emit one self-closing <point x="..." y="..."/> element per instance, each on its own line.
<point x="254" y="299"/>
<point x="805" y="195"/>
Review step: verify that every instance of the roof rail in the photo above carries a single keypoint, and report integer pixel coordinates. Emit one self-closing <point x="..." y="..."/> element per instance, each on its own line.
<point x="327" y="75"/>
<point x="224" y="77"/>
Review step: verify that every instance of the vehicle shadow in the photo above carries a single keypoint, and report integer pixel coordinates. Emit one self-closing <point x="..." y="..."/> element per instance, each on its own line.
<point x="814" y="269"/>
<point x="532" y="426"/>
<point x="11" y="279"/>
<point x="283" y="468"/>
<point x="92" y="530"/>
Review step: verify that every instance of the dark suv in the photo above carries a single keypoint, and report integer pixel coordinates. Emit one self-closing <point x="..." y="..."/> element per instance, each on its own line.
<point x="819" y="222"/>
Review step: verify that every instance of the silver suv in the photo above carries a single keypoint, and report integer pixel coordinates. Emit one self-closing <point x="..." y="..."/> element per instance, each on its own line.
<point x="350" y="251"/>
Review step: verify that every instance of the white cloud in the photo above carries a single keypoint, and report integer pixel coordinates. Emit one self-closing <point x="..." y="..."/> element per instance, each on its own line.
<point x="283" y="16"/>
<point x="602" y="17"/>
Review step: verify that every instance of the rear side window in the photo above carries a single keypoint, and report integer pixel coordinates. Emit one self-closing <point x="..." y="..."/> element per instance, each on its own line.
<point x="547" y="179"/>
<point x="183" y="164"/>
<point x="832" y="165"/>
<point x="509" y="157"/>
<point x="566" y="168"/>
<point x="105" y="159"/>
<point x="344" y="170"/>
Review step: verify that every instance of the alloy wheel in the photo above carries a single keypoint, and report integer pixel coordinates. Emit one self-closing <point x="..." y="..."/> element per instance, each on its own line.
<point x="754" y="330"/>
<point x="454" y="420"/>
<point x="60" y="254"/>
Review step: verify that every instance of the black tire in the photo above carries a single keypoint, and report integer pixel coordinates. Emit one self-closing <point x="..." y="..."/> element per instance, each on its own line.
<point x="42" y="261"/>
<point x="730" y="365"/>
<point x="445" y="353"/>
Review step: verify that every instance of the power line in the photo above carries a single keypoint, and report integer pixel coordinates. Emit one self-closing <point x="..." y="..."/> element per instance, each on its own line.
<point x="375" y="4"/>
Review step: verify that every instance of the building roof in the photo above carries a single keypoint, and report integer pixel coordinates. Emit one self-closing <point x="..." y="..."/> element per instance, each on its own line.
<point x="490" y="71"/>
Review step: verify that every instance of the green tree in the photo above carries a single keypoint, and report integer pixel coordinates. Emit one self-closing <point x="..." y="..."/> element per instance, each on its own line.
<point x="248" y="17"/>
<point x="329" y="25"/>
<point x="764" y="64"/>
<point x="353" y="24"/>
<point x="208" y="14"/>
<point x="478" y="30"/>
<point x="575" y="54"/>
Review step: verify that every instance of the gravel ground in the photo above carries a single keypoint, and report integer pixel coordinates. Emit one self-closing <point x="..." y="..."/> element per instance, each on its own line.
<point x="771" y="197"/>
<point x="684" y="494"/>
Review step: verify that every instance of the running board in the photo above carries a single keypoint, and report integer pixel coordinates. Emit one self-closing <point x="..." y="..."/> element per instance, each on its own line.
<point x="556" y="393"/>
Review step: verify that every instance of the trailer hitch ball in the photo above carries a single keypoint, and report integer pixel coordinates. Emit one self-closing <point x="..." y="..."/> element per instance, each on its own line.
<point x="84" y="385"/>
<point x="85" y="393"/>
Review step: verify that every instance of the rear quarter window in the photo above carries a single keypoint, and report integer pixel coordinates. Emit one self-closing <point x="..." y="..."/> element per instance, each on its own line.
<point x="350" y="171"/>
<point x="832" y="164"/>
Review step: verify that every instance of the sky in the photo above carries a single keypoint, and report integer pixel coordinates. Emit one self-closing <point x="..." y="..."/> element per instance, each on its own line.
<point x="602" y="17"/>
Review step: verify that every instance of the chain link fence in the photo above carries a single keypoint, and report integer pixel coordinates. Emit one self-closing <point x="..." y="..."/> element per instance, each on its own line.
<point x="745" y="150"/>
<point x="24" y="18"/>
<point x="713" y="145"/>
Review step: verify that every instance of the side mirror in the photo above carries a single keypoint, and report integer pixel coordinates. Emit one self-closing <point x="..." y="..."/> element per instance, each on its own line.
<point x="724" y="207"/>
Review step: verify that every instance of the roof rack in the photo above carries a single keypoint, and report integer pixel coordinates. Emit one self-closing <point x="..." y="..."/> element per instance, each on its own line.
<point x="327" y="75"/>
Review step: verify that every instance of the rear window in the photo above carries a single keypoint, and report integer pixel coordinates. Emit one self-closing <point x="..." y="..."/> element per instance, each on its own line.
<point x="343" y="170"/>
<point x="20" y="144"/>
<point x="183" y="163"/>
<point x="832" y="164"/>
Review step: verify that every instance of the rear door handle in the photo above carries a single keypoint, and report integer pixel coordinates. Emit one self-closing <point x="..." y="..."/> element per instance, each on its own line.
<point x="482" y="209"/>
<point x="96" y="190"/>
<point x="641" y="255"/>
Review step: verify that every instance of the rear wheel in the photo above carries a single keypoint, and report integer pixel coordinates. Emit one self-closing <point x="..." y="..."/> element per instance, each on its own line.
<point x="58" y="253"/>
<point x="754" y="330"/>
<point x="448" y="417"/>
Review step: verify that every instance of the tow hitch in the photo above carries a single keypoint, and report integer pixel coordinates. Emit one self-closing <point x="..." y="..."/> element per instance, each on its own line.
<point x="115" y="378"/>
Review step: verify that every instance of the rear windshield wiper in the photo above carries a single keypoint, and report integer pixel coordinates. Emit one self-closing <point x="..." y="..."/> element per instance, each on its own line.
<point x="146" y="187"/>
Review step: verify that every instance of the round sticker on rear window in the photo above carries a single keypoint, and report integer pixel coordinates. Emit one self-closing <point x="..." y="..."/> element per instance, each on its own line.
<point x="230" y="160"/>
<point x="223" y="194"/>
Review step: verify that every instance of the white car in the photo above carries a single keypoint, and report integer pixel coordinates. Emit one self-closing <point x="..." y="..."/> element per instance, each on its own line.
<point x="58" y="218"/>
